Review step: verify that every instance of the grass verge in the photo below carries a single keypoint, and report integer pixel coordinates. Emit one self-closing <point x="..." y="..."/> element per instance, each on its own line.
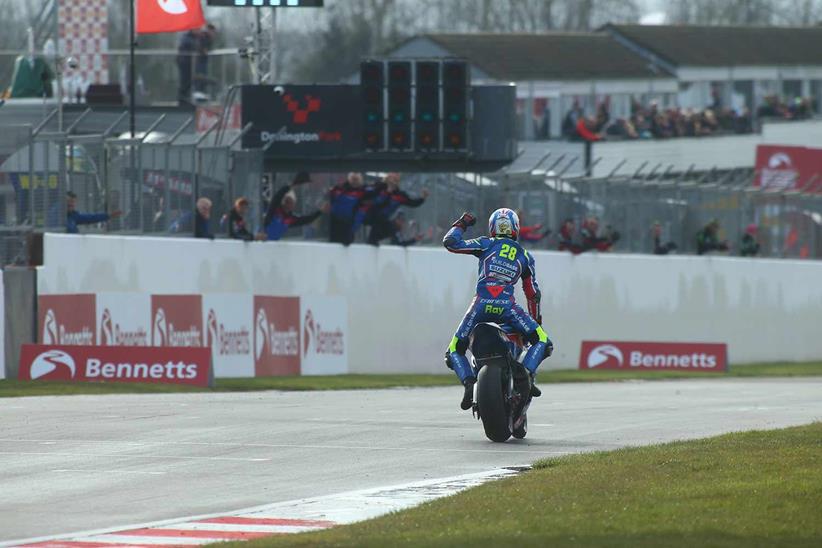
<point x="15" y="388"/>
<point x="739" y="490"/>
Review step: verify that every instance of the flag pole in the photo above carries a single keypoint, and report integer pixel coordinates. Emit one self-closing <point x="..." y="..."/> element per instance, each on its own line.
<point x="131" y="84"/>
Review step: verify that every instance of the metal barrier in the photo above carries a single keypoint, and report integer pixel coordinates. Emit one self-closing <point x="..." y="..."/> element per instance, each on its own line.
<point x="155" y="179"/>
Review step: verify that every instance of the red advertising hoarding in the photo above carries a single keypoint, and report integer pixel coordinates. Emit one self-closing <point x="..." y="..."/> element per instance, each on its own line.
<point x="177" y="320"/>
<point x="659" y="356"/>
<point x="66" y="319"/>
<point x="276" y="336"/>
<point x="153" y="365"/>
<point x="781" y="167"/>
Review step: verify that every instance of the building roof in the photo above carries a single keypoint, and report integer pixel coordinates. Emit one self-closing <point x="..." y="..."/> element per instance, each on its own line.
<point x="717" y="46"/>
<point x="551" y="56"/>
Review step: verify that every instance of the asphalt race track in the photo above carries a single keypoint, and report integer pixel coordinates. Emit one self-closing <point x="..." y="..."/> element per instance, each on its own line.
<point x="87" y="462"/>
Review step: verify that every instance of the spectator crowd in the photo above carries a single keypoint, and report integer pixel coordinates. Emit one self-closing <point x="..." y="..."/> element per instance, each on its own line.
<point x="354" y="207"/>
<point x="655" y="122"/>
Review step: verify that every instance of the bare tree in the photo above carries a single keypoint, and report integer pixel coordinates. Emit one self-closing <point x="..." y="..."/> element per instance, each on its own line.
<point x="745" y="12"/>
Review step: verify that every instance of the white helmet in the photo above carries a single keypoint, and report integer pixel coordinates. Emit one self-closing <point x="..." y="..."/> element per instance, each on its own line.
<point x="503" y="222"/>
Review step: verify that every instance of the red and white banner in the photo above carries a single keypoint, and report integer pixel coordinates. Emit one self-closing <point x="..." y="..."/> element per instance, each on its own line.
<point x="177" y="320"/>
<point x="788" y="168"/>
<point x="248" y="335"/>
<point x="115" y="364"/>
<point x="632" y="356"/>
<point x="168" y="15"/>
<point x="123" y="319"/>
<point x="228" y="322"/>
<point x="66" y="319"/>
<point x="276" y="336"/>
<point x="324" y="329"/>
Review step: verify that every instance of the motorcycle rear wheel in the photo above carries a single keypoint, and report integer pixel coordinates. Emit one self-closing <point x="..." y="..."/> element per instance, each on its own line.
<point x="492" y="389"/>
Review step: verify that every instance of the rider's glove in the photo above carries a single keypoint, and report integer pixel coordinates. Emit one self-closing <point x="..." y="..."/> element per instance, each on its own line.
<point x="465" y="221"/>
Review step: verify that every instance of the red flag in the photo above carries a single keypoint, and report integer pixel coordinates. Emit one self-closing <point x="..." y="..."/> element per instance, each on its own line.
<point x="168" y="15"/>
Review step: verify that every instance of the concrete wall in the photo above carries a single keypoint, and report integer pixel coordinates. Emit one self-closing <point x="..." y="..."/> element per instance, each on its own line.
<point x="18" y="324"/>
<point x="404" y="304"/>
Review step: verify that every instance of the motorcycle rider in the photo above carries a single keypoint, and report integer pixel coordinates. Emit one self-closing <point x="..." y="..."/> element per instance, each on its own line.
<point x="502" y="262"/>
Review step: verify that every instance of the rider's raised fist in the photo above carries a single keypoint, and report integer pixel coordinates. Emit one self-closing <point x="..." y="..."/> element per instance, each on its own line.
<point x="466" y="220"/>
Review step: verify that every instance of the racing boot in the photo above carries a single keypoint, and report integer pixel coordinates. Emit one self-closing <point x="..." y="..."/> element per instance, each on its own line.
<point x="535" y="392"/>
<point x="468" y="396"/>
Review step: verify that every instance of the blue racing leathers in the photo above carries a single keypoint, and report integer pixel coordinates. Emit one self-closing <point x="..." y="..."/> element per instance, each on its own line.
<point x="502" y="262"/>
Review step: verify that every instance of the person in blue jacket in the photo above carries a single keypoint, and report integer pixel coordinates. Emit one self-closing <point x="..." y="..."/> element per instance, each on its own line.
<point x="502" y="263"/>
<point x="388" y="198"/>
<point x="74" y="218"/>
<point x="280" y="215"/>
<point x="347" y="199"/>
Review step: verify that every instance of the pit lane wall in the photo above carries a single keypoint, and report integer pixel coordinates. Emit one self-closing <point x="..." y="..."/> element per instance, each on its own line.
<point x="403" y="304"/>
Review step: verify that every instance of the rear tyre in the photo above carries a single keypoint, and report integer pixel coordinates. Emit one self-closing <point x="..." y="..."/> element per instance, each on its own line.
<point x="492" y="403"/>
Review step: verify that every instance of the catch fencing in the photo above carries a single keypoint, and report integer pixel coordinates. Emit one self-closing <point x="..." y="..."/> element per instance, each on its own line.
<point x="151" y="181"/>
<point x="155" y="179"/>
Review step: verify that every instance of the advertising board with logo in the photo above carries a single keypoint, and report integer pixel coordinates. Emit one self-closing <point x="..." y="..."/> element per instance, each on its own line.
<point x="66" y="319"/>
<point x="788" y="168"/>
<point x="247" y="335"/>
<point x="302" y="121"/>
<point x="324" y="335"/>
<point x="228" y="332"/>
<point x="176" y="320"/>
<point x="115" y="364"/>
<point x="276" y="336"/>
<point x="123" y="319"/>
<point x="631" y="356"/>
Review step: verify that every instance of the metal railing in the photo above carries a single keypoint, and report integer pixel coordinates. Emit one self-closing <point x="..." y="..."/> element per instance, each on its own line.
<point x="156" y="178"/>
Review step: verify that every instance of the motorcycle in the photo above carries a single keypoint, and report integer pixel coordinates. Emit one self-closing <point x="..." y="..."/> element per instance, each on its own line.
<point x="502" y="392"/>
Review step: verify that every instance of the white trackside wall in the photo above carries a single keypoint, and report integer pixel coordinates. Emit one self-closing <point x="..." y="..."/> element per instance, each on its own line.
<point x="405" y="303"/>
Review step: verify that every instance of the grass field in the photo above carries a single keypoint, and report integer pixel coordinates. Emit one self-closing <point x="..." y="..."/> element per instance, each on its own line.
<point x="738" y="490"/>
<point x="14" y="388"/>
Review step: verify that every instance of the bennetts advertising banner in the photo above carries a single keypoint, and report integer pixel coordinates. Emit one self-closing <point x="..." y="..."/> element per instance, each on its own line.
<point x="248" y="335"/>
<point x="780" y="167"/>
<point x="632" y="356"/>
<point x="143" y="364"/>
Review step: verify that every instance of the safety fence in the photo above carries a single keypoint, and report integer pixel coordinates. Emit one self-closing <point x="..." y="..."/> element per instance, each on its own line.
<point x="149" y="183"/>
<point x="154" y="180"/>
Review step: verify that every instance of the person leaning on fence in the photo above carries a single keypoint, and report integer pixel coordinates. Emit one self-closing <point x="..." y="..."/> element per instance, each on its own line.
<point x="532" y="233"/>
<point x="347" y="199"/>
<point x="388" y="200"/>
<point x="707" y="239"/>
<point x="74" y="218"/>
<point x="280" y="215"/>
<point x="237" y="228"/>
<point x="749" y="247"/>
<point x="567" y="232"/>
<point x="659" y="247"/>
<point x="401" y="226"/>
<point x="202" y="219"/>
<point x="592" y="241"/>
